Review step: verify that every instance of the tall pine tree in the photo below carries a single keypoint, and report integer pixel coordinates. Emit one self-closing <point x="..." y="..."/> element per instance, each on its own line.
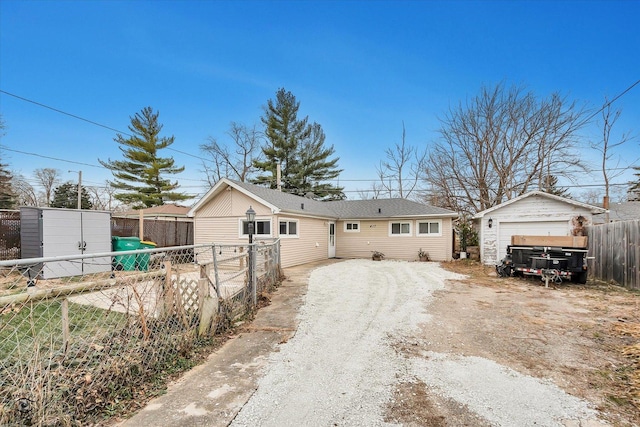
<point x="140" y="176"/>
<point x="299" y="149"/>
<point x="314" y="169"/>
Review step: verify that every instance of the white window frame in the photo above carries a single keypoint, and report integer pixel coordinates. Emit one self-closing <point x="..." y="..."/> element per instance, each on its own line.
<point x="241" y="222"/>
<point x="287" y="235"/>
<point x="401" y="234"/>
<point x="422" y="221"/>
<point x="357" y="230"/>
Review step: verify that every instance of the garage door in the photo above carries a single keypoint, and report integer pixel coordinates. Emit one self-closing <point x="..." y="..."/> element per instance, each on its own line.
<point x="542" y="228"/>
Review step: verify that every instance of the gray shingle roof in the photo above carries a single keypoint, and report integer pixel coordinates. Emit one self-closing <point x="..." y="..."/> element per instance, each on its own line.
<point x="622" y="211"/>
<point x="345" y="209"/>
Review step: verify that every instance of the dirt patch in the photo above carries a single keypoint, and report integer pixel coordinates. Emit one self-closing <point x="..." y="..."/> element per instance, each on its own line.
<point x="415" y="405"/>
<point x="584" y="338"/>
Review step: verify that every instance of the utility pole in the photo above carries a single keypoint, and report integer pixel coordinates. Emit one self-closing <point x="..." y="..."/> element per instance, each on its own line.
<point x="79" y="190"/>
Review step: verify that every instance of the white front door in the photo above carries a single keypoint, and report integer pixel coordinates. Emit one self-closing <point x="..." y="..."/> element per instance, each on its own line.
<point x="332" y="240"/>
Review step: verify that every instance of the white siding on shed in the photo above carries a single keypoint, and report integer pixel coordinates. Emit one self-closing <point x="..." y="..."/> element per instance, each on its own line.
<point x="534" y="214"/>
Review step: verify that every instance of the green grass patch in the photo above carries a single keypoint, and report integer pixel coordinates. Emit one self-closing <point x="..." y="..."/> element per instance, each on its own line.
<point x="38" y="326"/>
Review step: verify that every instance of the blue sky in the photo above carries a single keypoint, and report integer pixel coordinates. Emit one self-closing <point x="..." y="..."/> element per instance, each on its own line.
<point x="359" y="68"/>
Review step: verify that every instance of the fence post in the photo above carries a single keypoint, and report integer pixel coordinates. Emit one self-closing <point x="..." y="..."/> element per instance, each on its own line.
<point x="215" y="271"/>
<point x="64" y="308"/>
<point x="208" y="304"/>
<point x="168" y="296"/>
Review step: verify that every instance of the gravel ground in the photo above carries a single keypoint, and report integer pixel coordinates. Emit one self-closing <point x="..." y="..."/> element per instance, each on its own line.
<point x="342" y="366"/>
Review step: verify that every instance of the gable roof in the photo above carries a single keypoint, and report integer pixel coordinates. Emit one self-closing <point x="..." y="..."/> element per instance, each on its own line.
<point x="170" y="209"/>
<point x="283" y="202"/>
<point x="624" y="211"/>
<point x="593" y="209"/>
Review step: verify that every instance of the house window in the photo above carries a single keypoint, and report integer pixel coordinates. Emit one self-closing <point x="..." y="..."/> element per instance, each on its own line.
<point x="352" y="227"/>
<point x="400" y="228"/>
<point x="288" y="228"/>
<point x="429" y="228"/>
<point x="262" y="228"/>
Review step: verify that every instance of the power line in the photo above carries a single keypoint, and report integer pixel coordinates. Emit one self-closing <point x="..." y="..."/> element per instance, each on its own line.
<point x="606" y="104"/>
<point x="75" y="116"/>
<point x="61" y="112"/>
<point x="4" y="147"/>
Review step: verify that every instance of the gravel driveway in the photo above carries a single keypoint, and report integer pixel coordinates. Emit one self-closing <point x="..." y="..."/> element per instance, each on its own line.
<point x="343" y="364"/>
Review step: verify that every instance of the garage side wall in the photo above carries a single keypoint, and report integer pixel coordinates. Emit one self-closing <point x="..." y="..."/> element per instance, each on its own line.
<point x="535" y="215"/>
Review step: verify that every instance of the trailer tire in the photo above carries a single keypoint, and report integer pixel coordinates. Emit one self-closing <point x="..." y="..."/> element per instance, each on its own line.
<point x="580" y="277"/>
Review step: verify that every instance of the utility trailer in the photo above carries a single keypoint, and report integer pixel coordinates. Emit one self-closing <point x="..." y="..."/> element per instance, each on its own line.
<point x="552" y="258"/>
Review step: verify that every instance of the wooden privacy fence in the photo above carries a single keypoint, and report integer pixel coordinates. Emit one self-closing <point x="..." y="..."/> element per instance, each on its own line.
<point x="163" y="232"/>
<point x="614" y="250"/>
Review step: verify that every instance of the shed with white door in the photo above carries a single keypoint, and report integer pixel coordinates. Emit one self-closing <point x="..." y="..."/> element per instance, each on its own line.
<point x="54" y="232"/>
<point x="533" y="214"/>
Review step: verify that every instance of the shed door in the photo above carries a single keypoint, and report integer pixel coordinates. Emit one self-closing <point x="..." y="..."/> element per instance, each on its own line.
<point x="540" y="228"/>
<point x="96" y="238"/>
<point x="61" y="235"/>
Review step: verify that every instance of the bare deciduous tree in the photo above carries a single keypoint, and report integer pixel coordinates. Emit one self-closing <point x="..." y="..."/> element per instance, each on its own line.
<point x="48" y="178"/>
<point x="402" y="171"/>
<point x="236" y="159"/>
<point x="375" y="192"/>
<point x="25" y="193"/>
<point x="501" y="144"/>
<point x="606" y="147"/>
<point x="102" y="197"/>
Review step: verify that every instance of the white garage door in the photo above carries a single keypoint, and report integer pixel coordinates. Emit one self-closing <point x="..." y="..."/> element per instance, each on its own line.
<point x="541" y="228"/>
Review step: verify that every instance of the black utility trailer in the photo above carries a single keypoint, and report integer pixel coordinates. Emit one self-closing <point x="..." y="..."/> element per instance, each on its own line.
<point x="551" y="263"/>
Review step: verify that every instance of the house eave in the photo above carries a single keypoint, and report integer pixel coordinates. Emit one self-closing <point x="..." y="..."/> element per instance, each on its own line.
<point x="591" y="208"/>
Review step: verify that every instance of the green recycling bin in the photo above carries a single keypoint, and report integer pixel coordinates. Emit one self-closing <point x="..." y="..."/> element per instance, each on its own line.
<point x="143" y="259"/>
<point x="120" y="244"/>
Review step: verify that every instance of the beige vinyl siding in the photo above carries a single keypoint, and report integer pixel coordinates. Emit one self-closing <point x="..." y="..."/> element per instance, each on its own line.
<point x="374" y="236"/>
<point x="303" y="249"/>
<point x="231" y="202"/>
<point x="218" y="220"/>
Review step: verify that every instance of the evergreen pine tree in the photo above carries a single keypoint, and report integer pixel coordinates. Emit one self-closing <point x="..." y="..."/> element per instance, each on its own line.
<point x="314" y="168"/>
<point x="299" y="149"/>
<point x="66" y="196"/>
<point x="551" y="187"/>
<point x="140" y="176"/>
<point x="7" y="194"/>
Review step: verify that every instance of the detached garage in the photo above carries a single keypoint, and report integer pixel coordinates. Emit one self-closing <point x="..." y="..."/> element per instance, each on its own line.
<point x="533" y="214"/>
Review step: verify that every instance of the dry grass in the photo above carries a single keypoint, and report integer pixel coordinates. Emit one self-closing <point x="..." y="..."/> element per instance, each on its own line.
<point x="613" y="328"/>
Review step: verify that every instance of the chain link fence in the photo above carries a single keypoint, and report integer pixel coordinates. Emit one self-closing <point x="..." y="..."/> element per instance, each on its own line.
<point x="78" y="348"/>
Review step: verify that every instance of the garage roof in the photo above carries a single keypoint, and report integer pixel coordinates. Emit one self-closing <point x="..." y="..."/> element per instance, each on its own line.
<point x="593" y="209"/>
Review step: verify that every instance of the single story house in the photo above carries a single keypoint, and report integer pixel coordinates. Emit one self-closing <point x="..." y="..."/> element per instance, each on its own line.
<point x="311" y="230"/>
<point x="533" y="214"/>
<point x="625" y="211"/>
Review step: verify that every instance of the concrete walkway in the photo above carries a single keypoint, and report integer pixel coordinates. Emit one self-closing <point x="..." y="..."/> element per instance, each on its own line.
<point x="213" y="393"/>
